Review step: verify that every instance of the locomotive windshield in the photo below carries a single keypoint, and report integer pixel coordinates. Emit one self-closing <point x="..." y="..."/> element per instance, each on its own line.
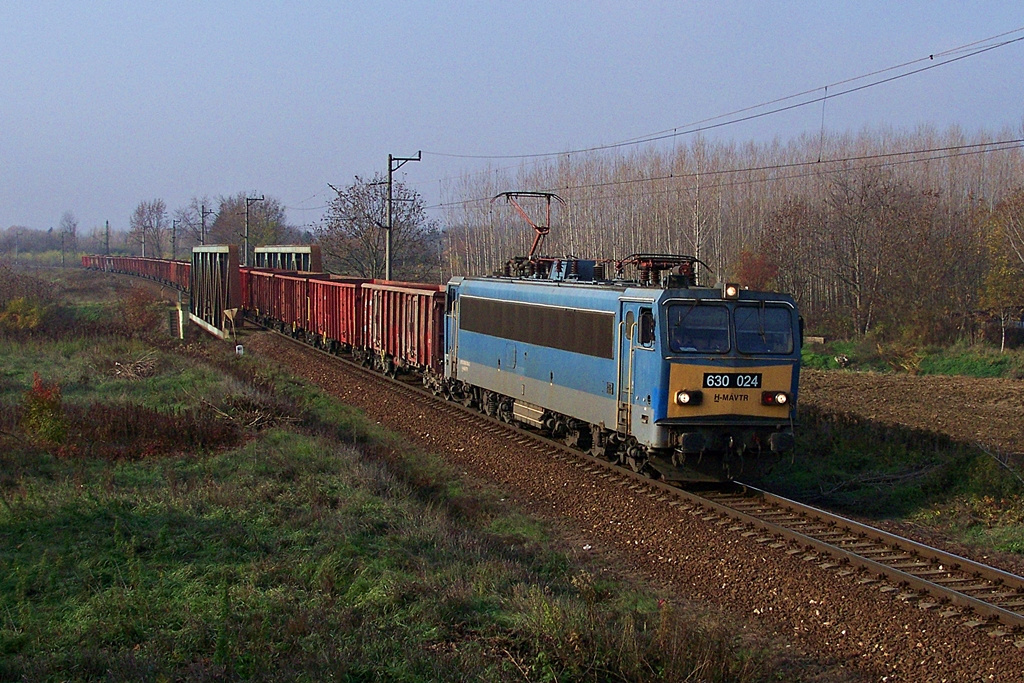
<point x="764" y="329"/>
<point x="758" y="329"/>
<point x="701" y="329"/>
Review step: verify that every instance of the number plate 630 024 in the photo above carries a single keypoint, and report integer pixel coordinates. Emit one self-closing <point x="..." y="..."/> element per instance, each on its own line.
<point x="732" y="380"/>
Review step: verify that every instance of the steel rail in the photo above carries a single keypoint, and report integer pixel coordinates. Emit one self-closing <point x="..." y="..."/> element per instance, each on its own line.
<point x="940" y="561"/>
<point x="990" y="573"/>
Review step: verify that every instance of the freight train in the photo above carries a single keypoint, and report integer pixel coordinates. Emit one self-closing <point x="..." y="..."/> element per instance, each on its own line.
<point x="652" y="371"/>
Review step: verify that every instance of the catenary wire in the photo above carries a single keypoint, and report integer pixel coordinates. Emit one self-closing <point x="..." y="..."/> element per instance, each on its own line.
<point x="953" y="151"/>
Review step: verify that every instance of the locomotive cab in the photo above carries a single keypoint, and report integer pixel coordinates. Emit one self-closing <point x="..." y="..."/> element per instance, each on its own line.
<point x="725" y="366"/>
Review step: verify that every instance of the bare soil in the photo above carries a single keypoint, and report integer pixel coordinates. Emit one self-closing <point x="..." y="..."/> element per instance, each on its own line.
<point x="988" y="412"/>
<point x="825" y="627"/>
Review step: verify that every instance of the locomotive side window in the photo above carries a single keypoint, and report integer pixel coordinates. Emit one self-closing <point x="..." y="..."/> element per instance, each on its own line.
<point x="449" y="300"/>
<point x="646" y="327"/>
<point x="696" y="328"/>
<point x="577" y="330"/>
<point x="764" y="329"/>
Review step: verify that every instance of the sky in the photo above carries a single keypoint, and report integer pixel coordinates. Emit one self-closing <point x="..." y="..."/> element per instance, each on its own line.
<point x="104" y="105"/>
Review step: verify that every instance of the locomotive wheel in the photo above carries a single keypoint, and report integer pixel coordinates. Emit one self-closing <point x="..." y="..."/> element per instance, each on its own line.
<point x="579" y="438"/>
<point x="635" y="455"/>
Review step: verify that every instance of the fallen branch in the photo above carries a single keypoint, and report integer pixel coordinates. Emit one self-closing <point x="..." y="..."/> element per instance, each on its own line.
<point x="1003" y="460"/>
<point x="878" y="480"/>
<point x="136" y="369"/>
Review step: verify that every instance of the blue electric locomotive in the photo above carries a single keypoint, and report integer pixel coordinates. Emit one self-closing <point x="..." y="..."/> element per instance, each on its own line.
<point x="658" y="374"/>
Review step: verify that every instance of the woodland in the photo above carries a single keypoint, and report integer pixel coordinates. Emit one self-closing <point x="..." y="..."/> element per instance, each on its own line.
<point x="913" y="236"/>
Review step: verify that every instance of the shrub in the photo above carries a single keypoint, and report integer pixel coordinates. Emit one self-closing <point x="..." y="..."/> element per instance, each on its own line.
<point x="22" y="314"/>
<point x="141" y="312"/>
<point x="43" y="413"/>
<point x="131" y="432"/>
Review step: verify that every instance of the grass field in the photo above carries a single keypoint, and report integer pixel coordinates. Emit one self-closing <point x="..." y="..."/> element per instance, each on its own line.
<point x="978" y="360"/>
<point x="175" y="512"/>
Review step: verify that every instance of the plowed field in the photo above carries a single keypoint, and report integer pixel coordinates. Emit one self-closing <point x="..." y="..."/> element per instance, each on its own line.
<point x="989" y="412"/>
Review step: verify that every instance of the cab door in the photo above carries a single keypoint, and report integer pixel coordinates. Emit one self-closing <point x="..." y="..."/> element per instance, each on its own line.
<point x="451" y="321"/>
<point x="638" y="365"/>
<point x="627" y="328"/>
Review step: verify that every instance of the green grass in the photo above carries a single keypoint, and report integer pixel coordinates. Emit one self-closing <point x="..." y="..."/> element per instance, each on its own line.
<point x="322" y="548"/>
<point x="99" y="368"/>
<point x="868" y="355"/>
<point x="974" y="362"/>
<point x="297" y="557"/>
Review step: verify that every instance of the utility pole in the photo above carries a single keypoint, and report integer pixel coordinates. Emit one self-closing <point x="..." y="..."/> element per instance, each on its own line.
<point x="205" y="213"/>
<point x="107" y="242"/>
<point x="248" y="201"/>
<point x="62" y="233"/>
<point x="174" y="239"/>
<point x="394" y="163"/>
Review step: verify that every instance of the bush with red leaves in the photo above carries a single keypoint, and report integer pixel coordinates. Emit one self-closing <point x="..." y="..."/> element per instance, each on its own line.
<point x="133" y="432"/>
<point x="42" y="417"/>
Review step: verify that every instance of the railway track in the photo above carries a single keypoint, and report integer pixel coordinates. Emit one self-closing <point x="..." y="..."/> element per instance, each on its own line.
<point x="981" y="596"/>
<point x="930" y="577"/>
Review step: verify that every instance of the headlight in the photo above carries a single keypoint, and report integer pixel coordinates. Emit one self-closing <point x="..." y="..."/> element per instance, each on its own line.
<point x="730" y="290"/>
<point x="774" y="398"/>
<point x="689" y="398"/>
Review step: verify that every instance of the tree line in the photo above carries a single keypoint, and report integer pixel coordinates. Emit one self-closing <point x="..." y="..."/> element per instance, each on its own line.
<point x="205" y="221"/>
<point x="157" y="232"/>
<point x="912" y="236"/>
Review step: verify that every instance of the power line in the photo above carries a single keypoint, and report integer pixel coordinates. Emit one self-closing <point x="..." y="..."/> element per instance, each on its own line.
<point x="817" y="172"/>
<point x="951" y="151"/>
<point x="707" y="124"/>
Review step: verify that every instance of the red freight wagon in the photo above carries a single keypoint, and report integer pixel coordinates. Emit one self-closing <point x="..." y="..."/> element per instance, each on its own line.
<point x="243" y="282"/>
<point x="293" y="306"/>
<point x="405" y="321"/>
<point x="246" y="278"/>
<point x="264" y="294"/>
<point x="143" y="265"/>
<point x="336" y="311"/>
<point x="181" y="274"/>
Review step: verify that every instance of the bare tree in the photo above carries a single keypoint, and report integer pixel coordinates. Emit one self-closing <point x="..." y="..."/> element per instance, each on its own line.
<point x="190" y="218"/>
<point x="69" y="228"/>
<point x="267" y="222"/>
<point x="1003" y="287"/>
<point x="1009" y="217"/>
<point x="147" y="227"/>
<point x="352" y="236"/>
